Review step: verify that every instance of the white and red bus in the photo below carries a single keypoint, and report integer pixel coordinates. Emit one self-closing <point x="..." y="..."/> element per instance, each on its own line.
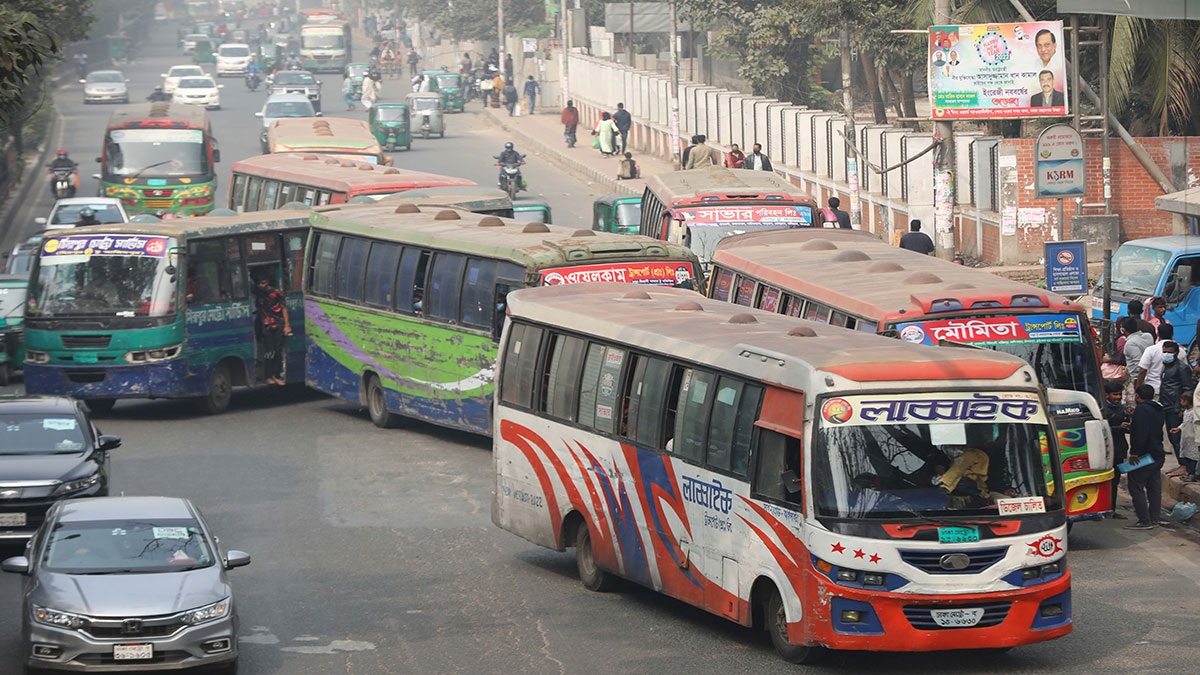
<point x="846" y="490"/>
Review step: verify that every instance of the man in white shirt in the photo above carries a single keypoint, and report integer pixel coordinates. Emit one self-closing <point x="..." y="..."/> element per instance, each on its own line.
<point x="1151" y="363"/>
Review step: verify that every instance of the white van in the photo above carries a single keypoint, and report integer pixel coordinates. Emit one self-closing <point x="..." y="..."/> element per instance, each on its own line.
<point x="232" y="59"/>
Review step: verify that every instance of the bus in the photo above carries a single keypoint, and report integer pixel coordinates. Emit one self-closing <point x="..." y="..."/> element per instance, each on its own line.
<point x="325" y="45"/>
<point x="849" y="278"/>
<point x="270" y="181"/>
<point x="160" y="157"/>
<point x="478" y="199"/>
<point x="697" y="208"/>
<point x="160" y="310"/>
<point x="845" y="490"/>
<point x="337" y="136"/>
<point x="404" y="304"/>
<point x="201" y="10"/>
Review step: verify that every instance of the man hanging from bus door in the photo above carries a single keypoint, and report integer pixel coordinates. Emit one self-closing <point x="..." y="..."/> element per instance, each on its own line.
<point x="272" y="326"/>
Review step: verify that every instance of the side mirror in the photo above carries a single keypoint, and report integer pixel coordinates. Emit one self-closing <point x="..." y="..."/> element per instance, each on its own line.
<point x="236" y="559"/>
<point x="216" y="155"/>
<point x="83" y="82"/>
<point x="162" y="74"/>
<point x="316" y="114"/>
<point x="40" y="220"/>
<point x="17" y="565"/>
<point x="99" y="159"/>
<point x="1098" y="437"/>
<point x="109" y="442"/>
<point x="258" y="114"/>
<point x="96" y="176"/>
<point x="791" y="482"/>
<point x="220" y="86"/>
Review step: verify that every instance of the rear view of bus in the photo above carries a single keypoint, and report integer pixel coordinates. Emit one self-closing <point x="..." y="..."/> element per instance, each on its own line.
<point x="854" y="492"/>
<point x="698" y="208"/>
<point x="324" y="45"/>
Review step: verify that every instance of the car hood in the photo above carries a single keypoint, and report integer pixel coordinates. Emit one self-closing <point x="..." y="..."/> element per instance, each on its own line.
<point x="125" y="595"/>
<point x="45" y="467"/>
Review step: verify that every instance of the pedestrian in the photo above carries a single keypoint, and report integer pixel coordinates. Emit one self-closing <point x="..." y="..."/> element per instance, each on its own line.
<point x="756" y="160"/>
<point x="915" y="240"/>
<point x="272" y="328"/>
<point x="465" y="69"/>
<point x="1136" y="342"/>
<point x="683" y="159"/>
<point x="485" y="89"/>
<point x="1176" y="378"/>
<point x="348" y="93"/>
<point x="1145" y="440"/>
<point x="832" y="216"/>
<point x="1190" y="452"/>
<point x="508" y="67"/>
<point x="370" y="93"/>
<point x="628" y="169"/>
<point x="1155" y="316"/>
<point x="532" y="89"/>
<point x="1117" y="416"/>
<point x="624" y="122"/>
<point x="606" y="133"/>
<point x="1186" y="430"/>
<point x="1151" y="363"/>
<point x="510" y="97"/>
<point x="735" y="157"/>
<point x="497" y="90"/>
<point x="570" y="122"/>
<point x="702" y="154"/>
<point x="1134" y="309"/>
<point x="413" y="58"/>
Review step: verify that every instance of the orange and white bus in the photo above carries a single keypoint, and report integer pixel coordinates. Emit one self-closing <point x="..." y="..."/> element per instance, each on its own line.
<point x="698" y="208"/>
<point x="850" y="278"/>
<point x="337" y="136"/>
<point x="838" y="489"/>
<point x="270" y="181"/>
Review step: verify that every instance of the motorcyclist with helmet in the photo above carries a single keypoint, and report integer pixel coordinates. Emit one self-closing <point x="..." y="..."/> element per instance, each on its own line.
<point x="64" y="164"/>
<point x="510" y="157"/>
<point x="159" y="96"/>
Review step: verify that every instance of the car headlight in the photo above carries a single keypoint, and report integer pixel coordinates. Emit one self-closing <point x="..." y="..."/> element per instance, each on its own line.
<point x="76" y="485"/>
<point x="212" y="612"/>
<point x="53" y="617"/>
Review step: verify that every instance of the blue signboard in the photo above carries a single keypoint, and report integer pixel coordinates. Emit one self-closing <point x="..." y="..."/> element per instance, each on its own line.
<point x="1066" y="267"/>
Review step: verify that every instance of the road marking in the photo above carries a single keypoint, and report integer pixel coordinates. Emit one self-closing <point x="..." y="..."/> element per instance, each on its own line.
<point x="334" y="647"/>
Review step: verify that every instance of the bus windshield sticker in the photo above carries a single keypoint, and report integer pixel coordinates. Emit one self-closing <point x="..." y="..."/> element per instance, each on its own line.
<point x="995" y="330"/>
<point x="105" y="244"/>
<point x="730" y="215"/>
<point x="947" y="408"/>
<point x="652" y="273"/>
<point x="1019" y="505"/>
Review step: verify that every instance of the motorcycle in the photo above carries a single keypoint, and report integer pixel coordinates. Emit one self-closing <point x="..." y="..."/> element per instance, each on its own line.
<point x="253" y="80"/>
<point x="511" y="180"/>
<point x="62" y="186"/>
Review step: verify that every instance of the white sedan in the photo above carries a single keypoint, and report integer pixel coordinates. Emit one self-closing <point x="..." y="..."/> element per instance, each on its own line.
<point x="198" y="91"/>
<point x="172" y="77"/>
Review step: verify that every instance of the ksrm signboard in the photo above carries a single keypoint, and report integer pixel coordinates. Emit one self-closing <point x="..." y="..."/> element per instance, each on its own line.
<point x="1059" y="166"/>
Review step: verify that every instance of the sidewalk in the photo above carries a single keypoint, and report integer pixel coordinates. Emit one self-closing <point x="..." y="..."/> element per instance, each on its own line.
<point x="541" y="132"/>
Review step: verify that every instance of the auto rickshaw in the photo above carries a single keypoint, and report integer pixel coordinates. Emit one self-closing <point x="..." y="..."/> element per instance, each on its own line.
<point x="205" y="52"/>
<point x="431" y="76"/>
<point x="391" y="125"/>
<point x="356" y="72"/>
<point x="620" y="213"/>
<point x="13" y="289"/>
<point x="266" y="55"/>
<point x="532" y="211"/>
<point x="207" y="28"/>
<point x="454" y="94"/>
<point x="118" y="47"/>
<point x="426" y="109"/>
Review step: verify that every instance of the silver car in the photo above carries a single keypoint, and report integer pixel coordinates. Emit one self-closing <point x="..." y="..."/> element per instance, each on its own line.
<point x="105" y="85"/>
<point x="119" y="584"/>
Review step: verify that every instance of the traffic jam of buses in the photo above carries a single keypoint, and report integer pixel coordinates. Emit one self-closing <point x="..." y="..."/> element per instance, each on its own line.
<point x="820" y="444"/>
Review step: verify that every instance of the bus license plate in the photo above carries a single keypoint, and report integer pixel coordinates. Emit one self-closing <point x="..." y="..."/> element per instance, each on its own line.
<point x="135" y="652"/>
<point x="12" y="520"/>
<point x="85" y="358"/>
<point x="958" y="535"/>
<point x="957" y="618"/>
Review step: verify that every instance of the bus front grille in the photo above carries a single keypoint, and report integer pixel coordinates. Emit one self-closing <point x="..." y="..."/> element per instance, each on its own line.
<point x="86" y="341"/>
<point x="157" y="203"/>
<point x="921" y="616"/>
<point x="930" y="561"/>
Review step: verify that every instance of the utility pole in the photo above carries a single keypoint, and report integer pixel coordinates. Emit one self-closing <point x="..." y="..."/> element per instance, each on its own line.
<point x="673" y="89"/>
<point x="500" y="31"/>
<point x="851" y="135"/>
<point x="943" y="168"/>
<point x="631" y="63"/>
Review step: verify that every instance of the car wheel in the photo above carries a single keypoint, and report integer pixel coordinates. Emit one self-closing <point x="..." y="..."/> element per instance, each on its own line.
<point x="220" y="391"/>
<point x="377" y="405"/>
<point x="593" y="578"/>
<point x="776" y="620"/>
<point x="100" y="406"/>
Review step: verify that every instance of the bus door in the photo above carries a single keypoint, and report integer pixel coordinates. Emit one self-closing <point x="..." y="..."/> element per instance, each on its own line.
<point x="220" y="315"/>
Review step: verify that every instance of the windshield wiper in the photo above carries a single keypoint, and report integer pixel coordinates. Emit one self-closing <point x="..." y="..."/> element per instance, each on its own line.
<point x="147" y="168"/>
<point x="102" y="572"/>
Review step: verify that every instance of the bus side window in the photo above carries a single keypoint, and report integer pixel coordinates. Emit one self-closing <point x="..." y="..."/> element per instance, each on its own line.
<point x="322" y="198"/>
<point x="309" y="196"/>
<point x="777" y="454"/>
<point x="381" y="274"/>
<point x="268" y="195"/>
<point x="839" y="319"/>
<point x="608" y="389"/>
<point x="589" y="384"/>
<point x="691" y="424"/>
<point x="793" y="306"/>
<point x="719" y="448"/>
<point x="817" y="312"/>
<point x="293" y="259"/>
<point x="445" y="286"/>
<point x="768" y="298"/>
<point x="324" y="259"/>
<point x="647" y="401"/>
<point x="722" y="283"/>
<point x="525" y="357"/>
<point x="236" y="265"/>
<point x="286" y="192"/>
<point x="561" y="390"/>
<point x="237" y="191"/>
<point x="253" y="190"/>
<point x="866" y="326"/>
<point x="406" y="281"/>
<point x="206" y="281"/>
<point x="350" y="265"/>
<point x="478" y="295"/>
<point x="508" y="380"/>
<point x="745" y="292"/>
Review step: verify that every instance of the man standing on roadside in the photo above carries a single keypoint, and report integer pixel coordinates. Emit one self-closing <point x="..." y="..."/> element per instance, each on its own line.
<point x="683" y="158"/>
<point x="1151" y="364"/>
<point x="510" y="97"/>
<point x="915" y="240"/>
<point x="1145" y="438"/>
<point x="832" y="214"/>
<point x="624" y="121"/>
<point x="570" y="121"/>
<point x="1176" y="378"/>
<point x="702" y="155"/>
<point x="532" y="89"/>
<point x="756" y="160"/>
<point x="1136" y="342"/>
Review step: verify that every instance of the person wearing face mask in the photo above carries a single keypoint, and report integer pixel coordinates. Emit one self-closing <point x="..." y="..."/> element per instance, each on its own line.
<point x="1176" y="379"/>
<point x="1150" y="365"/>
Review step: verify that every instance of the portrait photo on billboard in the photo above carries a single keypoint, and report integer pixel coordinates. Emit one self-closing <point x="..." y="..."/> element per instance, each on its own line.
<point x="998" y="70"/>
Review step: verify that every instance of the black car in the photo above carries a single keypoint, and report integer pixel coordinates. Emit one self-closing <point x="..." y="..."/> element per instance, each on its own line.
<point x="297" y="82"/>
<point x="49" y="451"/>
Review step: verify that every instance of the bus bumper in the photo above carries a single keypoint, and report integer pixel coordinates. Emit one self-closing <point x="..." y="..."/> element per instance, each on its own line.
<point x="904" y="623"/>
<point x="1090" y="497"/>
<point x="169" y="379"/>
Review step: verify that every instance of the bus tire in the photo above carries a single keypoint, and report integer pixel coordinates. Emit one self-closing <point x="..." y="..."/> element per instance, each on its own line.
<point x="593" y="578"/>
<point x="220" y="391"/>
<point x="377" y="405"/>
<point x="775" y="619"/>
<point x="100" y="406"/>
<point x="5" y="375"/>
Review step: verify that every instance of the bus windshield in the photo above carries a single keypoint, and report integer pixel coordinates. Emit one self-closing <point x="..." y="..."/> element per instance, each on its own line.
<point x="896" y="456"/>
<point x="138" y="153"/>
<point x="322" y="41"/>
<point x="1137" y="269"/>
<point x="12" y="301"/>
<point x="103" y="275"/>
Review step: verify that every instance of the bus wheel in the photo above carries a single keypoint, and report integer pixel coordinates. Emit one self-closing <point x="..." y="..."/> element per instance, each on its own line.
<point x="776" y="619"/>
<point x="5" y="375"/>
<point x="220" y="390"/>
<point x="593" y="578"/>
<point x="377" y="405"/>
<point x="100" y="405"/>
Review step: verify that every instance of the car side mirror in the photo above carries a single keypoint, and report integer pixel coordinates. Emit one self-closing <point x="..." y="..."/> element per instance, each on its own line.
<point x="40" y="220"/>
<point x="216" y="155"/>
<point x="258" y="114"/>
<point x="110" y="442"/>
<point x="791" y="482"/>
<point x="220" y="86"/>
<point x="162" y="74"/>
<point x="316" y="114"/>
<point x="99" y="159"/>
<point x="16" y="565"/>
<point x="83" y="82"/>
<point x="236" y="559"/>
<point x="96" y="176"/>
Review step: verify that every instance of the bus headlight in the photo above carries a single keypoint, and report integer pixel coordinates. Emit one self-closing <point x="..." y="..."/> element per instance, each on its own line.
<point x="152" y="355"/>
<point x="32" y="356"/>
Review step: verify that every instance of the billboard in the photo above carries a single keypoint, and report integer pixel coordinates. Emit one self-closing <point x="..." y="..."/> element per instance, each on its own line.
<point x="999" y="70"/>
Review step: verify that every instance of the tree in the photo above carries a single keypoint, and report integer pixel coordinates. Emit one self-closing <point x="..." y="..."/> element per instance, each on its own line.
<point x="24" y="48"/>
<point x="1154" y="75"/>
<point x="476" y="19"/>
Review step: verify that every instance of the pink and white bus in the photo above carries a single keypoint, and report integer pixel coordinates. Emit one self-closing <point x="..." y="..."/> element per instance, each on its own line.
<point x="837" y="488"/>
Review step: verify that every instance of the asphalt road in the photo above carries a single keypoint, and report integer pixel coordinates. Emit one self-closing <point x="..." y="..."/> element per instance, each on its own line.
<point x="374" y="550"/>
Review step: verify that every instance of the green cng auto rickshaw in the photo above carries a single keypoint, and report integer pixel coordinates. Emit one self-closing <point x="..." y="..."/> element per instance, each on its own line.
<point x="118" y="47"/>
<point x="426" y="109"/>
<point x="532" y="211"/>
<point x="454" y="95"/>
<point x="391" y="125"/>
<point x="204" y="52"/>
<point x="431" y="76"/>
<point x="621" y="213"/>
<point x="356" y="72"/>
<point x="13" y="289"/>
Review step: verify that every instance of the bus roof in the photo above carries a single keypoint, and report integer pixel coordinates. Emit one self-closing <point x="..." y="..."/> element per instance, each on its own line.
<point x="715" y="183"/>
<point x="159" y="115"/>
<point x="201" y="226"/>
<point x="353" y="178"/>
<point x="531" y="244"/>
<point x="322" y="132"/>
<point x="853" y="271"/>
<point x="471" y="198"/>
<point x="738" y="339"/>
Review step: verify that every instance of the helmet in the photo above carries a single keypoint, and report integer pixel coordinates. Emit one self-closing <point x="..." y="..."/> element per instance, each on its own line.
<point x="87" y="212"/>
<point x="508" y="145"/>
<point x="62" y="153"/>
<point x="160" y="213"/>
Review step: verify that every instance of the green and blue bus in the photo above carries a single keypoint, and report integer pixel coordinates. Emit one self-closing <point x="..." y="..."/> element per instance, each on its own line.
<point x="403" y="305"/>
<point x="161" y="309"/>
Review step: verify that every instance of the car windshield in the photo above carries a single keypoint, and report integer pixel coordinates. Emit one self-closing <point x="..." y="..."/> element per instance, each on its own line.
<point x="954" y="454"/>
<point x="235" y="51"/>
<point x="289" y="109"/>
<point x="103" y="275"/>
<point x="294" y="78"/>
<point x="1138" y="269"/>
<point x="105" y="78"/>
<point x="197" y="83"/>
<point x="155" y="152"/>
<point x="629" y="215"/>
<point x="35" y="434"/>
<point x="322" y="41"/>
<point x="185" y="71"/>
<point x="12" y="301"/>
<point x="68" y="214"/>
<point x="386" y="114"/>
<point x="127" y="547"/>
